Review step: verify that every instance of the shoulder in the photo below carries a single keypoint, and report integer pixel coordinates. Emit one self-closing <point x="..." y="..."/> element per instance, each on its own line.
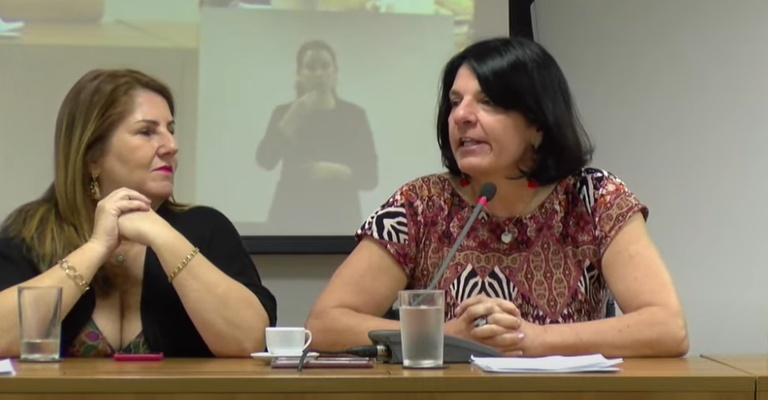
<point x="409" y="207"/>
<point x="10" y="245"/>
<point x="282" y="109"/>
<point x="348" y="106"/>
<point x="424" y="189"/>
<point x="197" y="217"/>
<point x="607" y="199"/>
<point x="16" y="262"/>
<point x="594" y="184"/>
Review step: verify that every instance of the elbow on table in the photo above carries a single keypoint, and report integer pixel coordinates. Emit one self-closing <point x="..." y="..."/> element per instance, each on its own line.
<point x="674" y="340"/>
<point x="243" y="349"/>
<point x="9" y="347"/>
<point x="321" y="324"/>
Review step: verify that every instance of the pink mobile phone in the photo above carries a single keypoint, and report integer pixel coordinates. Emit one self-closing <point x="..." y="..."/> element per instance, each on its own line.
<point x="138" y="357"/>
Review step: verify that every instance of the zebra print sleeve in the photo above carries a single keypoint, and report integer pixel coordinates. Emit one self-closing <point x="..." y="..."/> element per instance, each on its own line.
<point x="610" y="203"/>
<point x="392" y="225"/>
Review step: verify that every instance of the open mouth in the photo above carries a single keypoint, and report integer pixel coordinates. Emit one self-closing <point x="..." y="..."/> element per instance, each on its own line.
<point x="469" y="142"/>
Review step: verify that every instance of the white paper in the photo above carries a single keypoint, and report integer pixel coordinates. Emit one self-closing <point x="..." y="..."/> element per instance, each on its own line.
<point x="6" y="368"/>
<point x="551" y="364"/>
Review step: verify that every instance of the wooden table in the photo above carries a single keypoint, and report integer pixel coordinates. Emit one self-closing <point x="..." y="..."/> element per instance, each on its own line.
<point x="236" y="379"/>
<point x="753" y="364"/>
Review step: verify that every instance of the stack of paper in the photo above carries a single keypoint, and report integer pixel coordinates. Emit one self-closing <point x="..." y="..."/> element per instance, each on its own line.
<point x="6" y="368"/>
<point x="10" y="29"/>
<point x="552" y="364"/>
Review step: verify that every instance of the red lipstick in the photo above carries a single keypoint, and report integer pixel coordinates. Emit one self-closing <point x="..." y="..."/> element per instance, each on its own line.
<point x="165" y="169"/>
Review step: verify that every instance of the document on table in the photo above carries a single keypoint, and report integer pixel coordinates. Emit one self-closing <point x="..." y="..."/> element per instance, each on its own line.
<point x="551" y="364"/>
<point x="6" y="368"/>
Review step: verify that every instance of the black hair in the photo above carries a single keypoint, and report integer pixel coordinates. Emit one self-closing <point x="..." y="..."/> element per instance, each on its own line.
<point x="312" y="45"/>
<point x="518" y="74"/>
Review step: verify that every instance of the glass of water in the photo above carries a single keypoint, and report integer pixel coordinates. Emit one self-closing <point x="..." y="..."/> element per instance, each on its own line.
<point x="39" y="323"/>
<point x="422" y="317"/>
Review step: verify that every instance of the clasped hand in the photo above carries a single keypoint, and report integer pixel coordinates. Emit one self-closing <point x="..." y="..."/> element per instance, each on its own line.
<point x="503" y="330"/>
<point x="125" y="214"/>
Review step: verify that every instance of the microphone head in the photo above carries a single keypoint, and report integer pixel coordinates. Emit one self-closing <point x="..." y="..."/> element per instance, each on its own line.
<point x="487" y="190"/>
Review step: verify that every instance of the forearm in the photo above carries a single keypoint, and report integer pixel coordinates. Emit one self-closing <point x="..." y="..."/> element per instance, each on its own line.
<point x="52" y="11"/>
<point x="87" y="259"/>
<point x="338" y="329"/>
<point x="228" y="316"/>
<point x="649" y="332"/>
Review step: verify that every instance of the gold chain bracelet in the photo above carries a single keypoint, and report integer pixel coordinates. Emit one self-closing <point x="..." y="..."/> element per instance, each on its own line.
<point x="72" y="274"/>
<point x="183" y="264"/>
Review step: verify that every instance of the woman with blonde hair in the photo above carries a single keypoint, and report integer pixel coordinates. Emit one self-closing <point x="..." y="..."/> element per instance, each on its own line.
<point x="139" y="272"/>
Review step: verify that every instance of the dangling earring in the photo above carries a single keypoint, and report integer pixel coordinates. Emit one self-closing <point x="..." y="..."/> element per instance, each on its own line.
<point x="532" y="184"/>
<point x="94" y="188"/>
<point x="464" y="181"/>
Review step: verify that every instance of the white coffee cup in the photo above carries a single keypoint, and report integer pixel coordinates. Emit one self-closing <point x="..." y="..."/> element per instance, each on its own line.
<point x="288" y="341"/>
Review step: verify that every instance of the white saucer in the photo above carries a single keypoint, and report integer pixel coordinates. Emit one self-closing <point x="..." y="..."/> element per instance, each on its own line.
<point x="267" y="356"/>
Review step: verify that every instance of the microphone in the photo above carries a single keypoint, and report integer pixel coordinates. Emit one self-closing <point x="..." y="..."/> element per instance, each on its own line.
<point x="487" y="193"/>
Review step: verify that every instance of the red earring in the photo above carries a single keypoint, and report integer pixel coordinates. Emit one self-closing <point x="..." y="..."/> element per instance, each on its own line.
<point x="464" y="182"/>
<point x="532" y="184"/>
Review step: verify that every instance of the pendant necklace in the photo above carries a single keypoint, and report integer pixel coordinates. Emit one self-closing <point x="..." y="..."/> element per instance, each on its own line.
<point x="507" y="237"/>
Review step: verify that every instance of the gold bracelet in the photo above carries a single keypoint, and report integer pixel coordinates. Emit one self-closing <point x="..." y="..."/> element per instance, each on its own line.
<point x="72" y="274"/>
<point x="183" y="264"/>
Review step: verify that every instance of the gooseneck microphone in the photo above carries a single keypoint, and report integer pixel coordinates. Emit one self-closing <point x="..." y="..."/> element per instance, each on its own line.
<point x="487" y="192"/>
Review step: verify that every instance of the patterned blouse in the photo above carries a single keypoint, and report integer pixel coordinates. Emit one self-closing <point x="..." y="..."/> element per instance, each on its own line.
<point x="92" y="343"/>
<point x="550" y="269"/>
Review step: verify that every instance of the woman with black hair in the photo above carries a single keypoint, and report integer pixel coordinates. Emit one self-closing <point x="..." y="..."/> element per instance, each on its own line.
<point x="539" y="264"/>
<point x="326" y="147"/>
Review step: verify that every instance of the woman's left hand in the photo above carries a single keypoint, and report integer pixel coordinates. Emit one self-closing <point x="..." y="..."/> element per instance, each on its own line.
<point x="141" y="226"/>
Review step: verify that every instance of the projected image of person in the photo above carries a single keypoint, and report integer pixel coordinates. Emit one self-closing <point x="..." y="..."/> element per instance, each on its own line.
<point x="325" y="145"/>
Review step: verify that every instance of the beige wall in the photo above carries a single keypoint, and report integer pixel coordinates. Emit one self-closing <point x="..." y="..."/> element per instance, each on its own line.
<point x="674" y="94"/>
<point x="296" y="281"/>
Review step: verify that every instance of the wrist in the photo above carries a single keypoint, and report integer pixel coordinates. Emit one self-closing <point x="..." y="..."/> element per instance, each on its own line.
<point x="98" y="249"/>
<point x="450" y="328"/>
<point x="160" y="234"/>
<point x="536" y="340"/>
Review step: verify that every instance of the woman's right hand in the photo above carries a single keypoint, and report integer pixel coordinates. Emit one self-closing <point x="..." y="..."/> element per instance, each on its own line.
<point x="105" y="231"/>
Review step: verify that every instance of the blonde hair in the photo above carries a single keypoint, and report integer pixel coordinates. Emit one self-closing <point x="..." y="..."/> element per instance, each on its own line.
<point x="62" y="219"/>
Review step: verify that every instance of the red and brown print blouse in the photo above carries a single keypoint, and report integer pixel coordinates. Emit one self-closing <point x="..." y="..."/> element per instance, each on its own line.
<point x="551" y="269"/>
